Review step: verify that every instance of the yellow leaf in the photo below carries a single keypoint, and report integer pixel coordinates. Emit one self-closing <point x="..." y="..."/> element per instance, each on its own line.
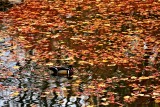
<point x="2" y="40"/>
<point x="86" y="22"/>
<point x="137" y="88"/>
<point x="75" y="76"/>
<point x="143" y="78"/>
<point x="156" y="94"/>
<point x="152" y="76"/>
<point x="15" y="94"/>
<point x="75" y="84"/>
<point x="90" y="86"/>
<point x="55" y="36"/>
<point x="104" y="61"/>
<point x="25" y="89"/>
<point x="102" y="85"/>
<point x="28" y="46"/>
<point x="62" y="42"/>
<point x="90" y="106"/>
<point x="19" y="18"/>
<point x="47" y="93"/>
<point x="16" y="67"/>
<point x="141" y="94"/>
<point x="1" y="54"/>
<point x="133" y="77"/>
<point x="104" y="99"/>
<point x="73" y="38"/>
<point x="90" y="31"/>
<point x="157" y="100"/>
<point x="126" y="97"/>
<point x="78" y="81"/>
<point x="43" y="96"/>
<point x="49" y="64"/>
<point x="111" y="65"/>
<point x="100" y="44"/>
<point x="64" y="88"/>
<point x="21" y="37"/>
<point x="85" y="62"/>
<point x="106" y="24"/>
<point x="105" y="103"/>
<point x="48" y="33"/>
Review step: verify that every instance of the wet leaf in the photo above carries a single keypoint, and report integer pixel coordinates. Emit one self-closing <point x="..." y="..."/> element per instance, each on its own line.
<point x="46" y="93"/>
<point x="75" y="84"/>
<point x="104" y="99"/>
<point x="16" y="67"/>
<point x="104" y="61"/>
<point x="75" y="76"/>
<point x="43" y="96"/>
<point x="49" y="64"/>
<point x="90" y="86"/>
<point x="141" y="95"/>
<point x="90" y="106"/>
<point x="126" y="97"/>
<point x="157" y="100"/>
<point x="117" y="41"/>
<point x="15" y="94"/>
<point x="101" y="84"/>
<point x="143" y="78"/>
<point x="105" y="103"/>
<point x="156" y="94"/>
<point x="34" y="105"/>
<point x="133" y="77"/>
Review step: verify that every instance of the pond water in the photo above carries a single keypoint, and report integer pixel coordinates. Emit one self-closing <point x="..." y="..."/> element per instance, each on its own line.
<point x="24" y="83"/>
<point x="27" y="83"/>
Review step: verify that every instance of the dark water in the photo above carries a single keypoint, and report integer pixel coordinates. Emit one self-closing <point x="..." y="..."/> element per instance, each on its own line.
<point x="31" y="85"/>
<point x="27" y="83"/>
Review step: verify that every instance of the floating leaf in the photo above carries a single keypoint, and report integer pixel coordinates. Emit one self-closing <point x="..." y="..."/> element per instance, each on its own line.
<point x="75" y="76"/>
<point x="90" y="106"/>
<point x="15" y="94"/>
<point x="106" y="24"/>
<point x="156" y="94"/>
<point x="102" y="85"/>
<point x="157" y="100"/>
<point x="9" y="73"/>
<point x="105" y="103"/>
<point x="49" y="64"/>
<point x="46" y="92"/>
<point x="126" y="97"/>
<point x="104" y="99"/>
<point x="91" y="86"/>
<point x="111" y="65"/>
<point x="133" y="77"/>
<point x="104" y="61"/>
<point x="141" y="95"/>
<point x="16" y="67"/>
<point x="143" y="78"/>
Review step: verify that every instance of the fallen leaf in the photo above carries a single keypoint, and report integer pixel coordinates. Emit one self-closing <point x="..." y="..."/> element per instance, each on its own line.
<point x="16" y="67"/>
<point x="14" y="94"/>
<point x="49" y="64"/>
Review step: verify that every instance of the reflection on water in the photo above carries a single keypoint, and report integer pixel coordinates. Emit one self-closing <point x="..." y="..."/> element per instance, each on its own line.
<point x="24" y="83"/>
<point x="29" y="86"/>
